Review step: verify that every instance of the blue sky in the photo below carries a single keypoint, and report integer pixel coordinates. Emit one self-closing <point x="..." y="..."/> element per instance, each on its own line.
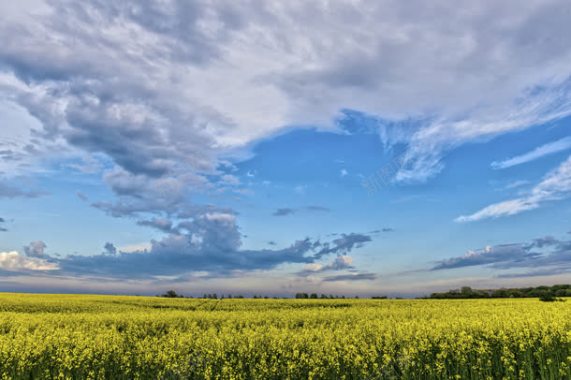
<point x="341" y="147"/>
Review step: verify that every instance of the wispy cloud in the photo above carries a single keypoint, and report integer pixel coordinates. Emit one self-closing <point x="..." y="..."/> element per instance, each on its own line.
<point x="285" y="211"/>
<point x="434" y="138"/>
<point x="317" y="209"/>
<point x="11" y="191"/>
<point x="555" y="185"/>
<point x="539" y="152"/>
<point x="515" y="184"/>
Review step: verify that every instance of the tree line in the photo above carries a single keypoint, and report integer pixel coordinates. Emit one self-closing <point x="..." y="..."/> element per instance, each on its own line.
<point x="546" y="293"/>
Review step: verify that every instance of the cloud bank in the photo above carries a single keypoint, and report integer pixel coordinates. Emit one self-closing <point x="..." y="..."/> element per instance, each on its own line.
<point x="208" y="245"/>
<point x="541" y="257"/>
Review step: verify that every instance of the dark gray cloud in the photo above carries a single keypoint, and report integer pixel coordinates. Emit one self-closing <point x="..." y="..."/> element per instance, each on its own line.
<point x="138" y="196"/>
<point x="2" y="228"/>
<point x="36" y="249"/>
<point x="110" y="249"/>
<point x="162" y="260"/>
<point x="161" y="224"/>
<point x="542" y="256"/>
<point x="340" y="247"/>
<point x="546" y="241"/>
<point x="508" y="253"/>
<point x="344" y="244"/>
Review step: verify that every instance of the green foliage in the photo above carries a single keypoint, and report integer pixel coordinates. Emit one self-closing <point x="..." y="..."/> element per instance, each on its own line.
<point x="547" y="297"/>
<point x="540" y="291"/>
<point x="171" y="294"/>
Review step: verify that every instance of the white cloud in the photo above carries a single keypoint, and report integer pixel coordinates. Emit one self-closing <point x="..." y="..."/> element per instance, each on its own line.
<point x="135" y="248"/>
<point x="220" y="217"/>
<point x="213" y="76"/>
<point x="300" y="189"/>
<point x="313" y="267"/>
<point x="341" y="262"/>
<point x="539" y="152"/>
<point x="14" y="261"/>
<point x="515" y="184"/>
<point x="555" y="185"/>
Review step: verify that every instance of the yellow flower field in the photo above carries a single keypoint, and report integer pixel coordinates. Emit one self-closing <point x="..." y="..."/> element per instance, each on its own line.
<point x="112" y="337"/>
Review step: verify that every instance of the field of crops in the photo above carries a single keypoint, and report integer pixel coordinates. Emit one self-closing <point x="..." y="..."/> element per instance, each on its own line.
<point x="67" y="336"/>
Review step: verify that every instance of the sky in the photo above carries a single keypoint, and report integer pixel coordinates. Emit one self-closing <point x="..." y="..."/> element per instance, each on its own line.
<point x="266" y="147"/>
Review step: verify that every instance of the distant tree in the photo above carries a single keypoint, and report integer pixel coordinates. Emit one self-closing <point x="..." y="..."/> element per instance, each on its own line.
<point x="313" y="296"/>
<point x="500" y="293"/>
<point x="547" y="296"/>
<point x="466" y="290"/>
<point x="171" y="294"/>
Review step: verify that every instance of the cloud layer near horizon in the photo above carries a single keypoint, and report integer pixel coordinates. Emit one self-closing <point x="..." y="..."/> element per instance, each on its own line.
<point x="207" y="245"/>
